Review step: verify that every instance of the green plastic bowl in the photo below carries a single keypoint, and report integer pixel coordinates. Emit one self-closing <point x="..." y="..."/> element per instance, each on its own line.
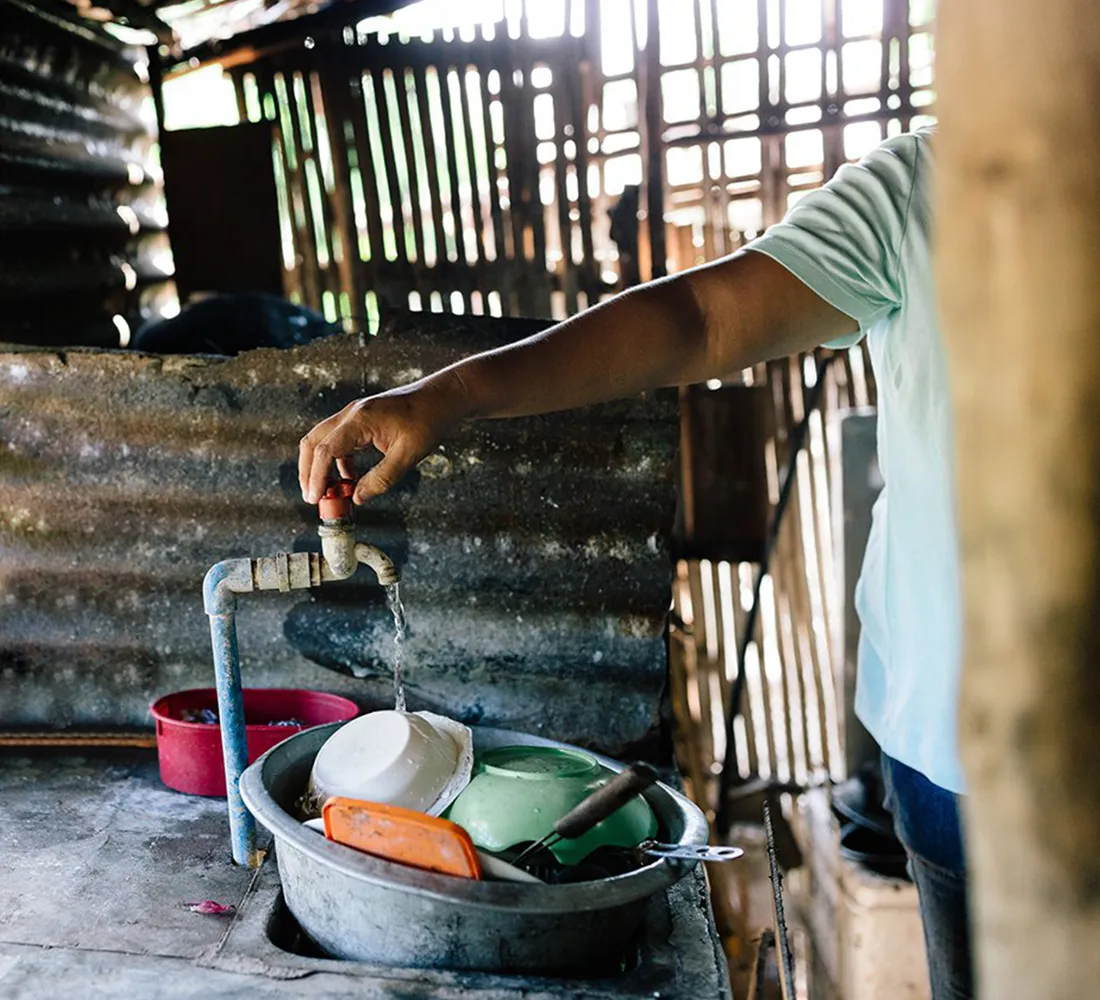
<point x="518" y="793"/>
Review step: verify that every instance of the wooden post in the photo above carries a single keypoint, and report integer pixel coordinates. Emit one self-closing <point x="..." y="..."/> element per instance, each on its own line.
<point x="650" y="97"/>
<point x="1018" y="160"/>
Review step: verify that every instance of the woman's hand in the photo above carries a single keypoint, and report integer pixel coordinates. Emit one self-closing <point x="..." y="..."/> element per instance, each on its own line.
<point x="404" y="424"/>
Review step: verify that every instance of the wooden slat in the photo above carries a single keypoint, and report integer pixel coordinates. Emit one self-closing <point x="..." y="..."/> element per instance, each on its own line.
<point x="574" y="90"/>
<point x="405" y="126"/>
<point x="523" y="299"/>
<point x="357" y="115"/>
<point x="534" y="216"/>
<point x="494" y="193"/>
<point x="565" y="226"/>
<point x="313" y="222"/>
<point x="390" y="164"/>
<point x="340" y="212"/>
<point x="698" y="665"/>
<point x="649" y="94"/>
<point x="688" y="755"/>
<point x="475" y="192"/>
<point x="818" y="548"/>
<point x="725" y="595"/>
<point x="797" y="580"/>
<point x="739" y="626"/>
<point x="236" y="75"/>
<point x="333" y="99"/>
<point x="420" y="83"/>
<point x="452" y="140"/>
<point x="726" y="647"/>
<point x="304" y="246"/>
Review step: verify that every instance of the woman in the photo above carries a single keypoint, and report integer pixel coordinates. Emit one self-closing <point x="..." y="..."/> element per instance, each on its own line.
<point x="851" y="260"/>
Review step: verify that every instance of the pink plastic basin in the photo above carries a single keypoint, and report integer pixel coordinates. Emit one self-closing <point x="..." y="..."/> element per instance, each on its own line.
<point x="190" y="753"/>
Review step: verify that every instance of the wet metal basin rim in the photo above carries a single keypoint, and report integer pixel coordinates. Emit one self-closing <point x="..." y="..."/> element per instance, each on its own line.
<point x="287" y="765"/>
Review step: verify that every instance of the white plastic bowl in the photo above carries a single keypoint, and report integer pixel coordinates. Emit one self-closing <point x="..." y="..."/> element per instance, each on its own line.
<point x="416" y="760"/>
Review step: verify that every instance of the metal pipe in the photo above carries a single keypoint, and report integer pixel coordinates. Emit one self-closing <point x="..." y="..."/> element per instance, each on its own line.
<point x="341" y="556"/>
<point x="338" y="549"/>
<point x="220" y="587"/>
<point x="227" y="674"/>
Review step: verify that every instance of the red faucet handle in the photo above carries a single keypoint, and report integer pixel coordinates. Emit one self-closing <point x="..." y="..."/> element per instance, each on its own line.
<point x="335" y="505"/>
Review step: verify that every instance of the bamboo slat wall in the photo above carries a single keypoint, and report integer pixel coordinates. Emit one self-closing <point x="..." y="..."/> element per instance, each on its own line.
<point x="475" y="169"/>
<point x="451" y="176"/>
<point x="762" y="100"/>
<point x="790" y="727"/>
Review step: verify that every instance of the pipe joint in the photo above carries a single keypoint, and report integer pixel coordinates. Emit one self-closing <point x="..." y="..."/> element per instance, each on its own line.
<point x="338" y="548"/>
<point x="223" y="582"/>
<point x="286" y="571"/>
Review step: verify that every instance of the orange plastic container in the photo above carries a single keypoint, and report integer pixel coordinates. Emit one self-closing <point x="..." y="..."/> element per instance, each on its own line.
<point x="402" y="835"/>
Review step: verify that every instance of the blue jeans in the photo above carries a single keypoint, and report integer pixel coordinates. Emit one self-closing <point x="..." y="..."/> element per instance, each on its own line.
<point x="926" y="820"/>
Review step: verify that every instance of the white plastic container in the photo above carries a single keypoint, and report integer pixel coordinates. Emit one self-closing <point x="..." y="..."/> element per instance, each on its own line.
<point x="416" y="760"/>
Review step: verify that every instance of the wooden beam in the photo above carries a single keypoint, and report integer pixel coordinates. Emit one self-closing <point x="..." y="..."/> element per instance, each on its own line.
<point x="1018" y="218"/>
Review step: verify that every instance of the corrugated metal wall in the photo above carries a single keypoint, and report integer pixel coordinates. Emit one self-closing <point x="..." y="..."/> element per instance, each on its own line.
<point x="534" y="552"/>
<point x="83" y="252"/>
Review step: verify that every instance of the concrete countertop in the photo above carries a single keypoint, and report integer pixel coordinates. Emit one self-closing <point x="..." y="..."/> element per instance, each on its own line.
<point x="98" y="861"/>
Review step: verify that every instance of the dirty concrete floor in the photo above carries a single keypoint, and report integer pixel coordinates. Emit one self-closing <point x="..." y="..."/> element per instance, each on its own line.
<point x="98" y="861"/>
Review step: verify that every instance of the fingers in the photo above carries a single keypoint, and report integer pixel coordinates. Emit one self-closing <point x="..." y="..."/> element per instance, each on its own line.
<point x="403" y="434"/>
<point x="386" y="474"/>
<point x="314" y="462"/>
<point x="331" y="440"/>
<point x="324" y="453"/>
<point x="305" y="462"/>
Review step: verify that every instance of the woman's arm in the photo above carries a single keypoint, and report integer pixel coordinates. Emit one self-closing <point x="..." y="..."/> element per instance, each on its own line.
<point x="698" y="324"/>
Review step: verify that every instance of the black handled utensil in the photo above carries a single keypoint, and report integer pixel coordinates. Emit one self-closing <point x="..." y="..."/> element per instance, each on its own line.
<point x="628" y="783"/>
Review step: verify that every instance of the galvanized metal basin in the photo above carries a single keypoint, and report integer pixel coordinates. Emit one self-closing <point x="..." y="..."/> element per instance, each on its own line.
<point x="367" y="909"/>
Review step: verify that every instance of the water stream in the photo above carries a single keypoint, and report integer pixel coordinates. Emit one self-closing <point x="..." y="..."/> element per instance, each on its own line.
<point x="400" y="628"/>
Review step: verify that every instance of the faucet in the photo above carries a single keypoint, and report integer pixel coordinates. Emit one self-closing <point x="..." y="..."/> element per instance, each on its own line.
<point x="341" y="555"/>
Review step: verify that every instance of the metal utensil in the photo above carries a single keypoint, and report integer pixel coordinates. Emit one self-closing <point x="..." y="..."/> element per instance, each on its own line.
<point x="782" y="941"/>
<point x="628" y="783"/>
<point x="499" y="869"/>
<point x="690" y="852"/>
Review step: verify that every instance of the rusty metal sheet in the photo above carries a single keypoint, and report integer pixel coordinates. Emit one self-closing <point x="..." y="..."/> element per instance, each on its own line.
<point x="534" y="552"/>
<point x="82" y="215"/>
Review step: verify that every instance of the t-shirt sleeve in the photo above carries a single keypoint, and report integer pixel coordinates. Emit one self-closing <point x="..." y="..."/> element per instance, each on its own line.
<point x="844" y="240"/>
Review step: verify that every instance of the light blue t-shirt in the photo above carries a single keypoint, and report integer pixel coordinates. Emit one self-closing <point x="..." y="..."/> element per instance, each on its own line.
<point x="862" y="243"/>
